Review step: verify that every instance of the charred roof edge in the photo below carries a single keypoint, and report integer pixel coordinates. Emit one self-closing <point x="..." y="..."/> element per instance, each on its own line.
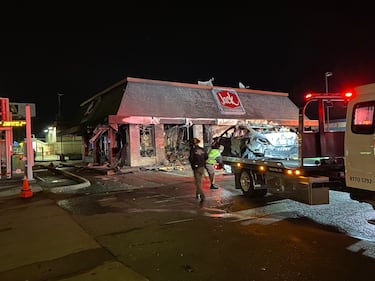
<point x="189" y="85"/>
<point x="103" y="92"/>
<point x="179" y="84"/>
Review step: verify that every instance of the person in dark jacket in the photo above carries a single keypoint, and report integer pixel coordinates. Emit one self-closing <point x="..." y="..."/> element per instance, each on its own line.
<point x="197" y="159"/>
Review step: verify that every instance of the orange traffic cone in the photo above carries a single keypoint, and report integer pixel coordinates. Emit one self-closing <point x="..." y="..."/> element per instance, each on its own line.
<point x="26" y="191"/>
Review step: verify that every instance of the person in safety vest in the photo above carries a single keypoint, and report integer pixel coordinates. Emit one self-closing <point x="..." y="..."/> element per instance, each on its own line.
<point x="214" y="157"/>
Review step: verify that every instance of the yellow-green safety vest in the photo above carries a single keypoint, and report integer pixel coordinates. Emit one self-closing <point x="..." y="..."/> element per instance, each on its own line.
<point x="212" y="155"/>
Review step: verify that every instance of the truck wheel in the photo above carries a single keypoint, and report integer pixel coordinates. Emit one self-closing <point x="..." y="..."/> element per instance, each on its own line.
<point x="246" y="183"/>
<point x="246" y="180"/>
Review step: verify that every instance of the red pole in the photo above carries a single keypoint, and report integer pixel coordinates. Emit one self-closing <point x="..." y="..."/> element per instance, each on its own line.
<point x="26" y="190"/>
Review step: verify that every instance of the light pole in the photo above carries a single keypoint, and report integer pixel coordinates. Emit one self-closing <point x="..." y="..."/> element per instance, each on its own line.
<point x="59" y="123"/>
<point x="327" y="74"/>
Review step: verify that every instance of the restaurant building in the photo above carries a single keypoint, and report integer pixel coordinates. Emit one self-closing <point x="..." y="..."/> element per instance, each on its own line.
<point x="142" y="122"/>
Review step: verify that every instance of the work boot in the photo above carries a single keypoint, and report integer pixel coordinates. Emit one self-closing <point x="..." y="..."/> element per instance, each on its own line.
<point x="200" y="197"/>
<point x="214" y="186"/>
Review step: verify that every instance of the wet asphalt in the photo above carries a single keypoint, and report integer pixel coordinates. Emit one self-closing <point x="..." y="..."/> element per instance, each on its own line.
<point x="146" y="225"/>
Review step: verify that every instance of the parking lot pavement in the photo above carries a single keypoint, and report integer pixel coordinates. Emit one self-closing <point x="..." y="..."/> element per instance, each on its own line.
<point x="11" y="188"/>
<point x="40" y="241"/>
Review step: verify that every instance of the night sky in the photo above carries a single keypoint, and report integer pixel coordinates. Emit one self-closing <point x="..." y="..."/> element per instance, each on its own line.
<point x="289" y="51"/>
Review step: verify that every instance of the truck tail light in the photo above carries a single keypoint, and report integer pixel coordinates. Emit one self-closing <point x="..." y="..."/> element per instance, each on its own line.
<point x="348" y="95"/>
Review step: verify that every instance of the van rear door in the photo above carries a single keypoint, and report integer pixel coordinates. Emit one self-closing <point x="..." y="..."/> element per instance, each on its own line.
<point x="360" y="141"/>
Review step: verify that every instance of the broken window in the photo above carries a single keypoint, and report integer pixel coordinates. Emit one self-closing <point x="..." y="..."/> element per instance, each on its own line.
<point x="147" y="140"/>
<point x="176" y="140"/>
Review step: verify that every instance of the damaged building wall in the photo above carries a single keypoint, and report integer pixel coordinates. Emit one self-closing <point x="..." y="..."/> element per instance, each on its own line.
<point x="177" y="142"/>
<point x="140" y="153"/>
<point x="159" y="144"/>
<point x="160" y="117"/>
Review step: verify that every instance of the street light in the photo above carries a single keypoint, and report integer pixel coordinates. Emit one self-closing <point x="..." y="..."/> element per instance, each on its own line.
<point x="59" y="123"/>
<point x="327" y="74"/>
<point x="59" y="105"/>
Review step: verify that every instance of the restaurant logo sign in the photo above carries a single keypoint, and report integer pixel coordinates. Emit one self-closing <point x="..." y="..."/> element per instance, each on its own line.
<point x="228" y="101"/>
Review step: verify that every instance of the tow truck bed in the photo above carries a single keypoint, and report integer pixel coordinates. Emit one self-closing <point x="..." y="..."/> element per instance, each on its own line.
<point x="314" y="163"/>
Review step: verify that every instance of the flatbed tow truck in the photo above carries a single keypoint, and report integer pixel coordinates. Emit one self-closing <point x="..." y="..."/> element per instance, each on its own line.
<point x="337" y="153"/>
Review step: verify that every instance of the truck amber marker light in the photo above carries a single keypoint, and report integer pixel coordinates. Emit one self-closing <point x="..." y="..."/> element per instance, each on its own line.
<point x="293" y="172"/>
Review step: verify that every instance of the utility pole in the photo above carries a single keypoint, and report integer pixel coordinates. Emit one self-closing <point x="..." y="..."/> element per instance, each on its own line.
<point x="59" y="124"/>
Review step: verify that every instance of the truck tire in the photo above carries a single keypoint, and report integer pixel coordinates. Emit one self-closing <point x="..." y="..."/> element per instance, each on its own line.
<point x="246" y="180"/>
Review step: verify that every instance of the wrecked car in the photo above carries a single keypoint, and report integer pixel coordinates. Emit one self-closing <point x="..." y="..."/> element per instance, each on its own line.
<point x="252" y="142"/>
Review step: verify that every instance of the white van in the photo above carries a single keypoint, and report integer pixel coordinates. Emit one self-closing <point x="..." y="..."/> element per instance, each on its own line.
<point x="360" y="139"/>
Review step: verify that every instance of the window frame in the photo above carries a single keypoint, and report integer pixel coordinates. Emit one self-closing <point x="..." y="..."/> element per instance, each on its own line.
<point x="365" y="129"/>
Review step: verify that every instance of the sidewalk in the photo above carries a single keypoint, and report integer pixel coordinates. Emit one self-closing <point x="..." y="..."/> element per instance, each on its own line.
<point x="40" y="241"/>
<point x="11" y="188"/>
